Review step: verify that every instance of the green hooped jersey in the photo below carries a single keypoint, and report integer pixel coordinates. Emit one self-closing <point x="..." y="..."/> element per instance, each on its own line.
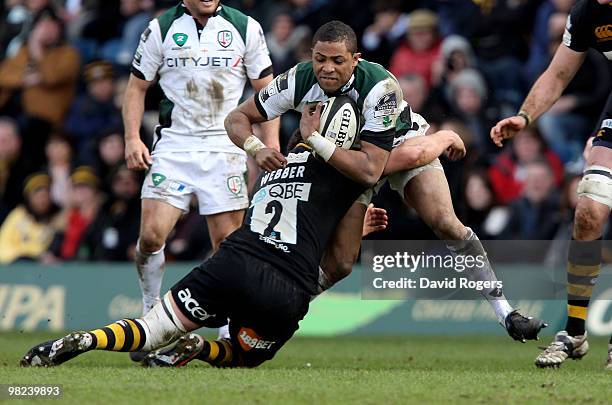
<point x="202" y="71"/>
<point x="375" y="90"/>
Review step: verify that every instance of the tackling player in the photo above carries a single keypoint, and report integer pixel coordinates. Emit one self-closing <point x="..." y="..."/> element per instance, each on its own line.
<point x="262" y="276"/>
<point x="202" y="53"/>
<point x="588" y="26"/>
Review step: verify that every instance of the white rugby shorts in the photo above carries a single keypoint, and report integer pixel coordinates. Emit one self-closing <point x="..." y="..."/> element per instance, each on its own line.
<point x="217" y="179"/>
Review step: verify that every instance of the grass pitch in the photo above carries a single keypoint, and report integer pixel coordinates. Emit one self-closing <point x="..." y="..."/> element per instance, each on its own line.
<point x="425" y="369"/>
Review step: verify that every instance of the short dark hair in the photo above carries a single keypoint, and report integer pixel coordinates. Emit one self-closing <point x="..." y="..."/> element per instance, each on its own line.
<point x="336" y="31"/>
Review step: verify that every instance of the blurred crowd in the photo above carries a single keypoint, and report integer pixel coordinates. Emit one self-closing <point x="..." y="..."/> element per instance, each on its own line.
<point x="66" y="194"/>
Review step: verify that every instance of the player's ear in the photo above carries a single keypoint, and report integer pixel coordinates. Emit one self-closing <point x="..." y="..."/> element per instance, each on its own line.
<point x="356" y="57"/>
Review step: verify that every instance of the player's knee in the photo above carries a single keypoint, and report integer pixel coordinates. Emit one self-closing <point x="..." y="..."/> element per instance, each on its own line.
<point x="587" y="224"/>
<point x="151" y="240"/>
<point x="340" y="268"/>
<point x="445" y="224"/>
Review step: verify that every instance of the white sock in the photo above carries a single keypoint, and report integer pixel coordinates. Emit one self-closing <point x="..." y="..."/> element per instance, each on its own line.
<point x="224" y="332"/>
<point x="150" y="268"/>
<point x="471" y="246"/>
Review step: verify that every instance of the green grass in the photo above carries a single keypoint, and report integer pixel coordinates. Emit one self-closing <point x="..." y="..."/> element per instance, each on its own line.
<point x="331" y="370"/>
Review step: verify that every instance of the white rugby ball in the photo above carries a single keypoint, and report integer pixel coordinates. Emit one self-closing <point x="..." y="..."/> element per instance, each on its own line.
<point x="340" y="119"/>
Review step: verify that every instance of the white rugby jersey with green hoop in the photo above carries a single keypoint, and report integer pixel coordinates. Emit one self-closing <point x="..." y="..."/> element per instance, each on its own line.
<point x="202" y="72"/>
<point x="375" y="90"/>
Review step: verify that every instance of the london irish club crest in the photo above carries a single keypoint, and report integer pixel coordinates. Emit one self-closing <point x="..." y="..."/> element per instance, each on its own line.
<point x="224" y="38"/>
<point x="234" y="184"/>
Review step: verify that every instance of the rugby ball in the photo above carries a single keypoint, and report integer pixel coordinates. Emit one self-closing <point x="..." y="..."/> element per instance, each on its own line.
<point x="340" y="119"/>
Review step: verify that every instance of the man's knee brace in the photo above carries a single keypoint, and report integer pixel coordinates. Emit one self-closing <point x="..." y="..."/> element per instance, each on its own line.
<point x="596" y="184"/>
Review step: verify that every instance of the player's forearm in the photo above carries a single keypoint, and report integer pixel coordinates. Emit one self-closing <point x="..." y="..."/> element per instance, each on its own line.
<point x="418" y="151"/>
<point x="270" y="133"/>
<point x="544" y="93"/>
<point x="132" y="111"/>
<point x="550" y="85"/>
<point x="238" y="127"/>
<point x="359" y="166"/>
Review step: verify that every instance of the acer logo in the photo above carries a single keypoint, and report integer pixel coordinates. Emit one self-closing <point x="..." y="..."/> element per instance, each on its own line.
<point x="192" y="306"/>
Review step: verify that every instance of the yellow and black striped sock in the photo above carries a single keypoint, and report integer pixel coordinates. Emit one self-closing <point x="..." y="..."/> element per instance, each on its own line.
<point x="126" y="335"/>
<point x="584" y="265"/>
<point x="217" y="353"/>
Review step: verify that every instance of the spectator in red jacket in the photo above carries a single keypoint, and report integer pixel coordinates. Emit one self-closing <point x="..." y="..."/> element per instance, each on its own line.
<point x="421" y="49"/>
<point x="508" y="171"/>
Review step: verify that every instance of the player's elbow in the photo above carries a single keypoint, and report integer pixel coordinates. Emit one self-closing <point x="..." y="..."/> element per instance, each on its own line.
<point x="227" y="123"/>
<point x="413" y="156"/>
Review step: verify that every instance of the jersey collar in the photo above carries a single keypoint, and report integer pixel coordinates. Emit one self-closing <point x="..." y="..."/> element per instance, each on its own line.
<point x="348" y="86"/>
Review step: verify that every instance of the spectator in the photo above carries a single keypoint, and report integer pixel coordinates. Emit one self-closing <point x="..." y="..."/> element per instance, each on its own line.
<point x="509" y="170"/>
<point x="136" y="15"/>
<point x="468" y="99"/>
<point x="500" y="33"/>
<point x="20" y="19"/>
<point x="110" y="155"/>
<point x="540" y="39"/>
<point x="421" y="100"/>
<point x="456" y="55"/>
<point x="456" y="171"/>
<point x="479" y="209"/>
<point x="535" y="216"/>
<point x="28" y="230"/>
<point x="95" y="110"/>
<point x="14" y="16"/>
<point x="85" y="203"/>
<point x="43" y="73"/>
<point x="282" y="40"/>
<point x="421" y="49"/>
<point x="113" y="234"/>
<point x="381" y="38"/>
<point x="312" y="13"/>
<point x="569" y="122"/>
<point x="13" y="167"/>
<point x="59" y="165"/>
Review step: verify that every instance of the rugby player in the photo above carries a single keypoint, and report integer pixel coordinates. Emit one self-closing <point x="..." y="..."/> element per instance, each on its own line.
<point x="202" y="53"/>
<point x="588" y="26"/>
<point x="336" y="68"/>
<point x="262" y="276"/>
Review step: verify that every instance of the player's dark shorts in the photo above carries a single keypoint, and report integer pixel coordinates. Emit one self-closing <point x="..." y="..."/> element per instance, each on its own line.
<point x="264" y="306"/>
<point x="603" y="134"/>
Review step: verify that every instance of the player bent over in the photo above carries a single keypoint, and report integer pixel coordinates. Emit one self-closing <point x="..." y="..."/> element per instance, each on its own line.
<point x="262" y="276"/>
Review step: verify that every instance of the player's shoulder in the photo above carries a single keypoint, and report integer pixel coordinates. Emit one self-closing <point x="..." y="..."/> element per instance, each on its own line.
<point x="584" y="10"/>
<point x="369" y="72"/>
<point x="372" y="78"/>
<point x="302" y="78"/>
<point x="241" y="22"/>
<point x="166" y="19"/>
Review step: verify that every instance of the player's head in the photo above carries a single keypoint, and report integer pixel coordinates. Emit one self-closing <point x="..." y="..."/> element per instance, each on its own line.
<point x="604" y="1"/>
<point x="202" y="8"/>
<point x="334" y="55"/>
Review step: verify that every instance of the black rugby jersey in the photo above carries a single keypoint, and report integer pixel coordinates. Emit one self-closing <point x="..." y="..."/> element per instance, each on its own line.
<point x="589" y="25"/>
<point x="293" y="213"/>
